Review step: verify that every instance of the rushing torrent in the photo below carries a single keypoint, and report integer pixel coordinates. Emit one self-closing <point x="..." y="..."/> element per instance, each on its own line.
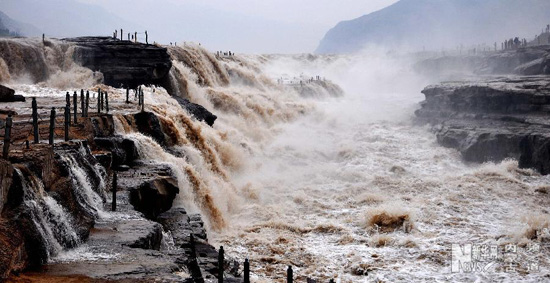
<point x="338" y="185"/>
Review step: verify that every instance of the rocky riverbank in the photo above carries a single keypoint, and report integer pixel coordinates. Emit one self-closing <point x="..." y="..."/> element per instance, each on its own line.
<point x="146" y="238"/>
<point x="527" y="61"/>
<point x="493" y="119"/>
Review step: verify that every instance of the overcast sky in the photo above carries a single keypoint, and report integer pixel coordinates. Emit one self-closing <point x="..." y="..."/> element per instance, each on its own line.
<point x="251" y="26"/>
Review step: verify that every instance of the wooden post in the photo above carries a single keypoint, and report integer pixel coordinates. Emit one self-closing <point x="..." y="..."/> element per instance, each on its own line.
<point x="68" y="99"/>
<point x="146" y="38"/>
<point x="7" y="137"/>
<point x="99" y="101"/>
<point x="246" y="271"/>
<point x="113" y="204"/>
<point x="107" y="102"/>
<point x="35" y="120"/>
<point x="135" y="37"/>
<point x="289" y="276"/>
<point x="67" y="121"/>
<point x="102" y="100"/>
<point x="52" y="125"/>
<point x="142" y="101"/>
<point x="75" y="107"/>
<point x="220" y="265"/>
<point x="127" y="95"/>
<point x="87" y="102"/>
<point x="82" y="103"/>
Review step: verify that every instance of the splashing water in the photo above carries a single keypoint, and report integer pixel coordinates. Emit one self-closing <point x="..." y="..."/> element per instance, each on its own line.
<point x="339" y="187"/>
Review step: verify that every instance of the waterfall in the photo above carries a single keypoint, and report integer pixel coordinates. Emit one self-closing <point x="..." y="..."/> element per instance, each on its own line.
<point x="30" y="61"/>
<point x="87" y="197"/>
<point x="52" y="221"/>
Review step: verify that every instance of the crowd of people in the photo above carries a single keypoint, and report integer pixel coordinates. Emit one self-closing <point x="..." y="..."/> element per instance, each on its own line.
<point x="221" y="53"/>
<point x="299" y="80"/>
<point x="515" y="43"/>
<point x="133" y="37"/>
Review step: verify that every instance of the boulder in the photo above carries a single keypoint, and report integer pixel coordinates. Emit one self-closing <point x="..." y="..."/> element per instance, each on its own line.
<point x="154" y="196"/>
<point x="8" y="95"/>
<point x="123" y="151"/>
<point x="149" y="124"/>
<point x="198" y="111"/>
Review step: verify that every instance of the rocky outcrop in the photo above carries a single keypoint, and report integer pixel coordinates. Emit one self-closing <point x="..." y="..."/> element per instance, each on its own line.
<point x="522" y="61"/>
<point x="122" y="151"/>
<point x="8" y="95"/>
<point x="122" y="62"/>
<point x="189" y="235"/>
<point x="198" y="111"/>
<point x="154" y="196"/>
<point x="6" y="177"/>
<point x="493" y="119"/>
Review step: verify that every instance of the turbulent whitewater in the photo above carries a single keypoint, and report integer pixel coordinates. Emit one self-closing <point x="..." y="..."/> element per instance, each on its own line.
<point x="339" y="183"/>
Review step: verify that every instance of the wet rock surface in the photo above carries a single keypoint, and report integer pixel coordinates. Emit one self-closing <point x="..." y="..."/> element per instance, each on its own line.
<point x="198" y="111"/>
<point x="154" y="196"/>
<point x="8" y="95"/>
<point x="492" y="119"/>
<point x="145" y="239"/>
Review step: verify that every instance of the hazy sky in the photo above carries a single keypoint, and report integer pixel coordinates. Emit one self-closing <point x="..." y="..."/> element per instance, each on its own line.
<point x="252" y="26"/>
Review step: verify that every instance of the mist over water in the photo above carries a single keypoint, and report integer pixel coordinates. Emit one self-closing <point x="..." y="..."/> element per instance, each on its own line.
<point x="285" y="179"/>
<point x="313" y="188"/>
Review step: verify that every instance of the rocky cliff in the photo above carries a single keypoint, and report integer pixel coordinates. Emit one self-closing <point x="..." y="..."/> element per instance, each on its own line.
<point x="493" y="119"/>
<point x="122" y="62"/>
<point x="528" y="61"/>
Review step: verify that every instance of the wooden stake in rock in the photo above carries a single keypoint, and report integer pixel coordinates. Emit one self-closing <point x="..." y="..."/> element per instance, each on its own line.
<point x="107" y="102"/>
<point x="220" y="265"/>
<point x="82" y="103"/>
<point x="246" y="271"/>
<point x="52" y="126"/>
<point x="75" y="107"/>
<point x="289" y="275"/>
<point x="87" y="102"/>
<point x="67" y="121"/>
<point x="142" y="101"/>
<point x="115" y="179"/>
<point x="7" y="137"/>
<point x="35" y="120"/>
<point x="127" y="95"/>
<point x="98" y="101"/>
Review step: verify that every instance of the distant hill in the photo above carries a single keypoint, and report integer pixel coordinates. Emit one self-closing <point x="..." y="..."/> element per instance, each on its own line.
<point x="439" y="23"/>
<point x="10" y="27"/>
<point x="66" y="18"/>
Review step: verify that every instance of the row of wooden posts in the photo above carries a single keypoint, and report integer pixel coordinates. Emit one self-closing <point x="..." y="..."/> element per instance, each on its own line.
<point x="246" y="269"/>
<point x="102" y="104"/>
<point x="221" y="253"/>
